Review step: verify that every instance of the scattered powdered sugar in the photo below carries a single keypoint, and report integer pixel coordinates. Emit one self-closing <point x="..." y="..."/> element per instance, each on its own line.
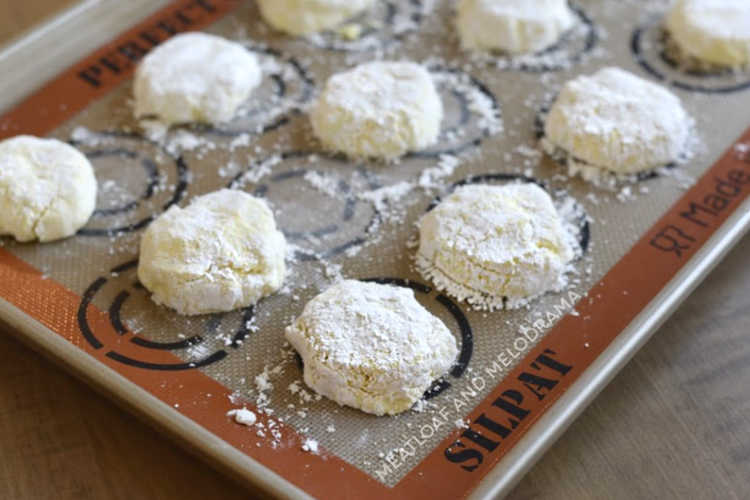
<point x="263" y="385"/>
<point x="154" y="130"/>
<point x="325" y="183"/>
<point x="384" y="197"/>
<point x="446" y="166"/>
<point x="184" y="140"/>
<point x="83" y="135"/>
<point x="479" y="103"/>
<point x="310" y="446"/>
<point x="243" y="416"/>
<point x="258" y="171"/>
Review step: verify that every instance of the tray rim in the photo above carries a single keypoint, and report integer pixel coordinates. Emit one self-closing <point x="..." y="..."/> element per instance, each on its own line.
<point x="113" y="17"/>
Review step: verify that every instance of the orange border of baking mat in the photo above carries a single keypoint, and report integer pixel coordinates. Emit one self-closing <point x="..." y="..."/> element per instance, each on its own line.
<point x="455" y="467"/>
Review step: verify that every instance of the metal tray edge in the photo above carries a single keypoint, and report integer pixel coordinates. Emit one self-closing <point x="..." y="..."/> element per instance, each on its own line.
<point x="108" y="19"/>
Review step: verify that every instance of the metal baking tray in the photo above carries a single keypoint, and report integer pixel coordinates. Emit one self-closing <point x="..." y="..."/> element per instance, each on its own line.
<point x="522" y="376"/>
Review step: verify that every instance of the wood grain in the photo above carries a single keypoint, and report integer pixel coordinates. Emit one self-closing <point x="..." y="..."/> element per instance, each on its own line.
<point x="674" y="424"/>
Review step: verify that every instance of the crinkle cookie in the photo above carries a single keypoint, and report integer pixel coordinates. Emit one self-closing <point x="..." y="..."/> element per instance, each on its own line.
<point x="371" y="346"/>
<point x="195" y="77"/>
<point x="47" y="189"/>
<point x="495" y="246"/>
<point x="221" y="252"/>
<point x="378" y="109"/>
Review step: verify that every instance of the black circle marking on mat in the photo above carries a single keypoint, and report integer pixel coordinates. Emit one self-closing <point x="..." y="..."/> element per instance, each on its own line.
<point x="114" y="317"/>
<point x="465" y="116"/>
<point x="261" y="189"/>
<point x="151" y="169"/>
<point x="151" y="172"/>
<point x="213" y="358"/>
<point x="641" y="58"/>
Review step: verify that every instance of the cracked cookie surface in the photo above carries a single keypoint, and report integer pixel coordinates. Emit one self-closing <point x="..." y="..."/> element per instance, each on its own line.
<point x="222" y="252"/>
<point x="47" y="189"/>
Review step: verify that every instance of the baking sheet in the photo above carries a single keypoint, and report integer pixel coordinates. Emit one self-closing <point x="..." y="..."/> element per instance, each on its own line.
<point x="269" y="151"/>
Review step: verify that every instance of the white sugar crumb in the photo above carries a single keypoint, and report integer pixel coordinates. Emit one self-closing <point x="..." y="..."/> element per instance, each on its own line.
<point x="241" y="140"/>
<point x="326" y="184"/>
<point x="258" y="171"/>
<point x="251" y="325"/>
<point x="625" y="194"/>
<point x="154" y="130"/>
<point x="310" y="446"/>
<point x="446" y="166"/>
<point x="83" y="135"/>
<point x="528" y="151"/>
<point x="183" y="140"/>
<point x="381" y="198"/>
<point x="243" y="416"/>
<point x="262" y="385"/>
<point x="461" y="423"/>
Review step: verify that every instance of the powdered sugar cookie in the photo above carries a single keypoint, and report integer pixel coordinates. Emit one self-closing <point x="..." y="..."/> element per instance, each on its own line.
<point x="221" y="252"/>
<point x="712" y="31"/>
<point x="378" y="109"/>
<point x="47" y="189"/>
<point x="614" y="121"/>
<point x="495" y="246"/>
<point x="512" y="26"/>
<point x="371" y="346"/>
<point x="301" y="17"/>
<point x="195" y="77"/>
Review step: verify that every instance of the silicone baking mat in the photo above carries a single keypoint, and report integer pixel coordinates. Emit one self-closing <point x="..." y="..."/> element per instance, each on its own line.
<point x="356" y="219"/>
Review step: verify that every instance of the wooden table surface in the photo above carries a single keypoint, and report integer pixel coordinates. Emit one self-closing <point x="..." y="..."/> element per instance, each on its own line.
<point x="674" y="424"/>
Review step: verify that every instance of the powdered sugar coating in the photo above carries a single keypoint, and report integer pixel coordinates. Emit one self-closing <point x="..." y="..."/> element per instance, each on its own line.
<point x="371" y="346"/>
<point x="221" y="252"/>
<point x="618" y="122"/>
<point x="713" y="31"/>
<point x="301" y="17"/>
<point x="47" y="189"/>
<point x="513" y="26"/>
<point x="379" y="109"/>
<point x="495" y="246"/>
<point x="195" y="77"/>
